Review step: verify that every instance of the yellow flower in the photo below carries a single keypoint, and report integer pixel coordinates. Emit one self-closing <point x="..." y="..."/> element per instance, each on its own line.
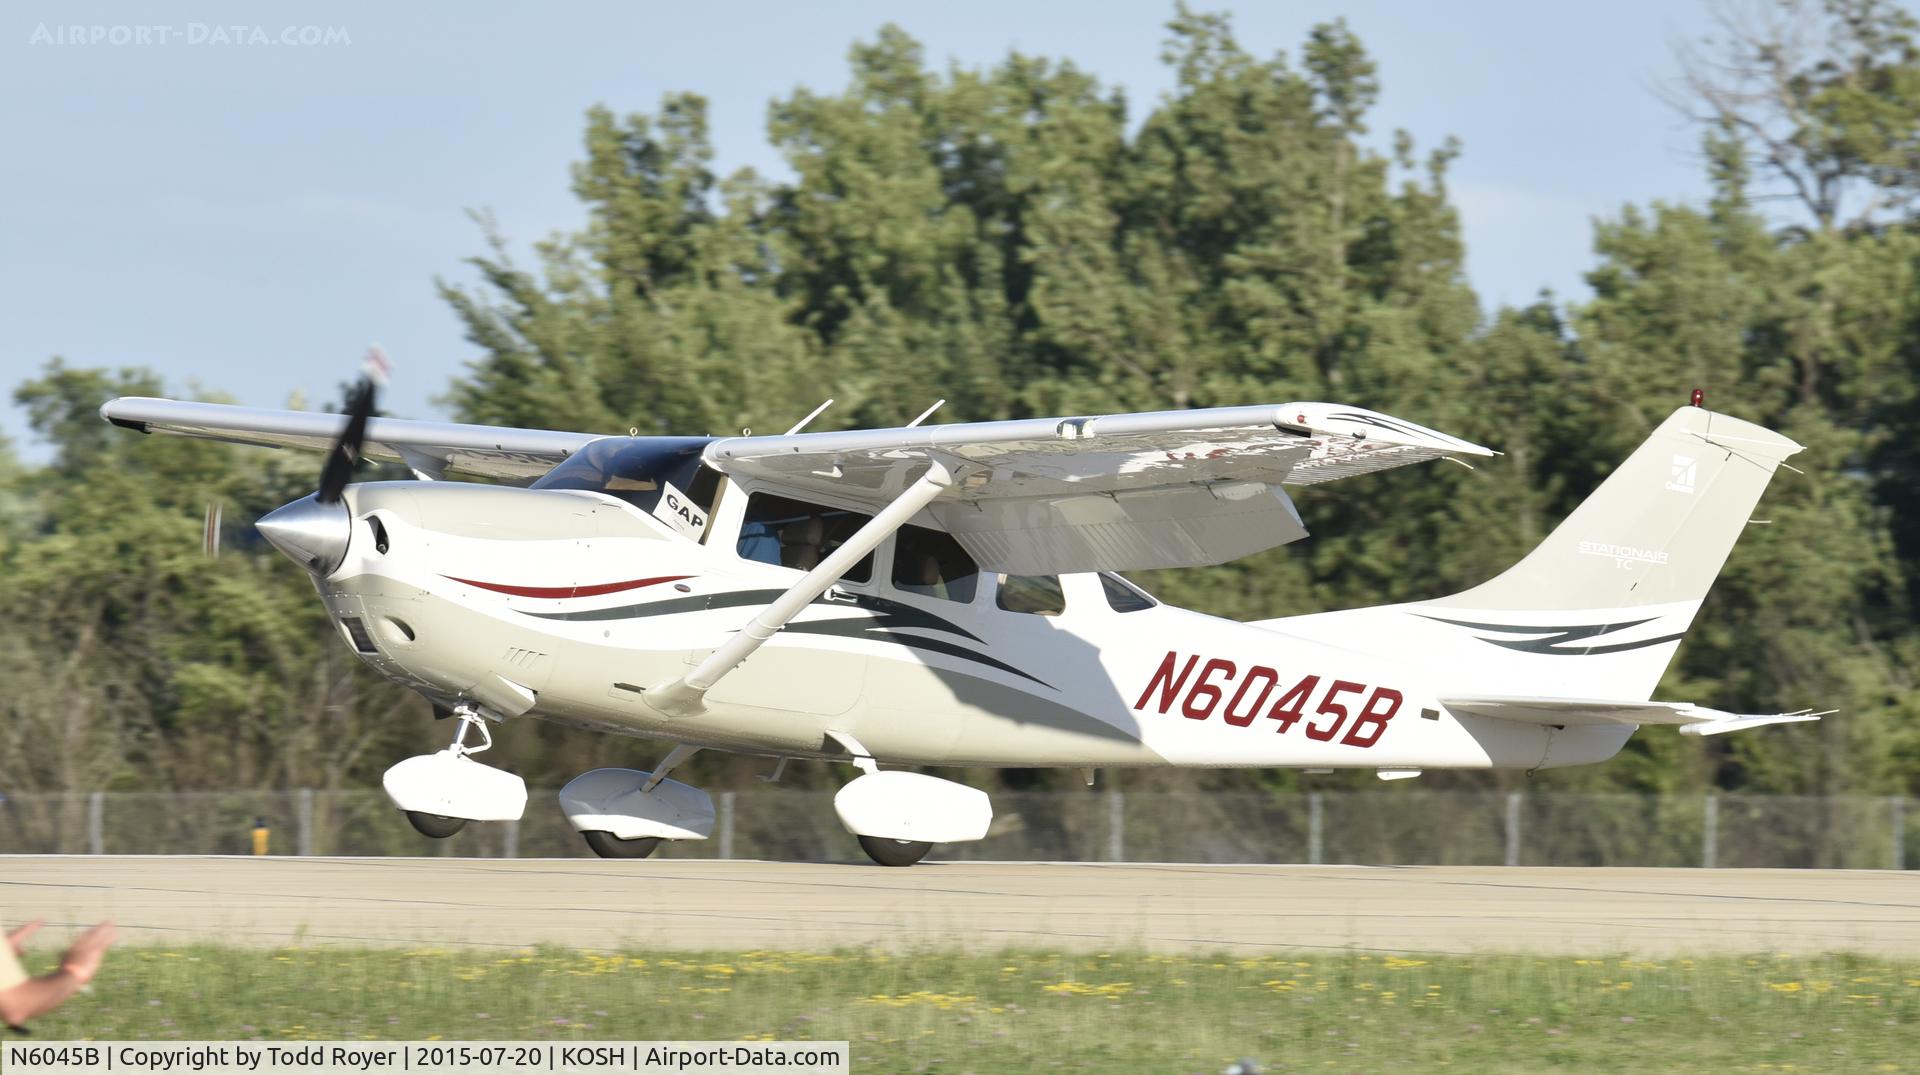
<point x="1083" y="989"/>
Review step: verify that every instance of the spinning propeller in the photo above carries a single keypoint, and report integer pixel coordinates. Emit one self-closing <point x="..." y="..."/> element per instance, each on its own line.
<point x="314" y="530"/>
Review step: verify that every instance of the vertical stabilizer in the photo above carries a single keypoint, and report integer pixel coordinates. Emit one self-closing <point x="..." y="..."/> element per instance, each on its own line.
<point x="1657" y="531"/>
<point x="1598" y="608"/>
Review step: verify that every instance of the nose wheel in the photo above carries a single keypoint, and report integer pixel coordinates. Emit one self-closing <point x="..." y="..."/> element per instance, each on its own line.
<point x="438" y="826"/>
<point x="894" y="852"/>
<point x="609" y="846"/>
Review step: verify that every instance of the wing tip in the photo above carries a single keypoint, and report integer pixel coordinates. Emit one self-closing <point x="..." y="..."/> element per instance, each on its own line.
<point x="108" y="408"/>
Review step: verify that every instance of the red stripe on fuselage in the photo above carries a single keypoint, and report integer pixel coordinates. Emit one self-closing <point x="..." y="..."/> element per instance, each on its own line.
<point x="563" y="592"/>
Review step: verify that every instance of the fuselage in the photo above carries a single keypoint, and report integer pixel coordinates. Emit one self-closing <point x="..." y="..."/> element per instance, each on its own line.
<point x="566" y="604"/>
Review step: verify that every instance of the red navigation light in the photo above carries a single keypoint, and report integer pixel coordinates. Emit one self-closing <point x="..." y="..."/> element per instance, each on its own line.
<point x="1699" y="398"/>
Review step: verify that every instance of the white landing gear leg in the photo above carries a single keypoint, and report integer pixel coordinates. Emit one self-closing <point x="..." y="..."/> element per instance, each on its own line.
<point x="625" y="813"/>
<point x="441" y="792"/>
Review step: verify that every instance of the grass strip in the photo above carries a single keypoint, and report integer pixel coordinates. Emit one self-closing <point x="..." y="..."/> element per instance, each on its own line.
<point x="953" y="1010"/>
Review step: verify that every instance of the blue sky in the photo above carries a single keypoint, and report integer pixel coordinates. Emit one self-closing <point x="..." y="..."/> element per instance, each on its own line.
<point x="246" y="217"/>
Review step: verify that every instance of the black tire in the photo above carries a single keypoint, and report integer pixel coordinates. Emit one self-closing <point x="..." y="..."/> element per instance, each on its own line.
<point x="435" y="825"/>
<point x="894" y="852"/>
<point x="609" y="846"/>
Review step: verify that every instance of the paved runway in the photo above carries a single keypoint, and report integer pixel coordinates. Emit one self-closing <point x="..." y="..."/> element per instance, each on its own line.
<point x="1172" y="907"/>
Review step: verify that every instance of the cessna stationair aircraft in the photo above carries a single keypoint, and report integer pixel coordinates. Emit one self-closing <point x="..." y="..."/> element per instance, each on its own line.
<point x="945" y="595"/>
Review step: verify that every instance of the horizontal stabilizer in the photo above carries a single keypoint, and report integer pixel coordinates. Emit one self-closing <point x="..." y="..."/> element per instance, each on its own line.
<point x="1571" y="712"/>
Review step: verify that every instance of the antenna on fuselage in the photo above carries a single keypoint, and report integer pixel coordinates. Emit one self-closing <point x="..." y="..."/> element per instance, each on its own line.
<point x="928" y="413"/>
<point x="815" y="413"/>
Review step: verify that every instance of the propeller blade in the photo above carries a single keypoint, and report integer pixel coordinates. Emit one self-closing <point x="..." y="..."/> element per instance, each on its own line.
<point x="346" y="451"/>
<point x="210" y="537"/>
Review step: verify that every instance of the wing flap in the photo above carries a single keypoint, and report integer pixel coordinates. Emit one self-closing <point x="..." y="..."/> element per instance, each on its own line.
<point x="1194" y="524"/>
<point x="485" y="451"/>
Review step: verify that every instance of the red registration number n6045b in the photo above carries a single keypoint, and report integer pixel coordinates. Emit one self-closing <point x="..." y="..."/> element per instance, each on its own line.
<point x="1241" y="696"/>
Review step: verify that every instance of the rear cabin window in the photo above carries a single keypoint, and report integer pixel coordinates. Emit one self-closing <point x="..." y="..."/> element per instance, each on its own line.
<point x="637" y="470"/>
<point x="931" y="563"/>
<point x="1124" y="596"/>
<point x="796" y="534"/>
<point x="1039" y="595"/>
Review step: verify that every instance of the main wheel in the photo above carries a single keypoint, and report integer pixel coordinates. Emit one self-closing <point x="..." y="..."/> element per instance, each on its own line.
<point x="894" y="852"/>
<point x="437" y="826"/>
<point x="609" y="846"/>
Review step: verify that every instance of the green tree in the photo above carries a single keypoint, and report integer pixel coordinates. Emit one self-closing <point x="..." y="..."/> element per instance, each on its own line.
<point x="134" y="660"/>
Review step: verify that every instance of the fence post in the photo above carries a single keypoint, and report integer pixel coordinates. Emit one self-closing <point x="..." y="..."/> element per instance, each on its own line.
<point x="304" y="846"/>
<point x="726" y="824"/>
<point x="1315" y="849"/>
<point x="1898" y="823"/>
<point x="96" y="823"/>
<point x="1710" y="831"/>
<point x="510" y="840"/>
<point x="1513" y="828"/>
<point x="1116" y="826"/>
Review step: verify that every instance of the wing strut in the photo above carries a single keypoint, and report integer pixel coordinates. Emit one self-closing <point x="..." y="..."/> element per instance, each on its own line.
<point x="684" y="696"/>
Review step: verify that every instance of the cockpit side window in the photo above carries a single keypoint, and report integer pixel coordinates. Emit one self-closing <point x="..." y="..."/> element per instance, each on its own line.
<point x="932" y="563"/>
<point x="793" y="533"/>
<point x="637" y="470"/>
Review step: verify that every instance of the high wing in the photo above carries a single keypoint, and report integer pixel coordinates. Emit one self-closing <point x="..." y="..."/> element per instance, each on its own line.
<point x="1567" y="712"/>
<point x="1113" y="492"/>
<point x="428" y="448"/>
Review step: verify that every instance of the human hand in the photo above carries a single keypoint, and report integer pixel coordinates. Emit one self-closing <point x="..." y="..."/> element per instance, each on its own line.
<point x="84" y="955"/>
<point x="18" y="938"/>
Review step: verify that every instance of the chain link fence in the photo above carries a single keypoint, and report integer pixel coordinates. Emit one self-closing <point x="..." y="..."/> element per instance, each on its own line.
<point x="1403" y="828"/>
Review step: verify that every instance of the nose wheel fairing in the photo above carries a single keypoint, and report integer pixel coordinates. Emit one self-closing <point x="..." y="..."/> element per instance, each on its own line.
<point x="450" y="785"/>
<point x="453" y="785"/>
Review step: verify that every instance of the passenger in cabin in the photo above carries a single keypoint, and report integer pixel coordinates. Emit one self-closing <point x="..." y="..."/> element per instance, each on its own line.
<point x="800" y="543"/>
<point x="933" y="564"/>
<point x="1037" y="595"/>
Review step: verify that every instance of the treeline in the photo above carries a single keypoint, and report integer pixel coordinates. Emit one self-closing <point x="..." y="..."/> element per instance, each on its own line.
<point x="1014" y="241"/>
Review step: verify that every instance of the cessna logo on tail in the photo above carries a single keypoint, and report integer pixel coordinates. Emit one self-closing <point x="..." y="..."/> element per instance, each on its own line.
<point x="1684" y="472"/>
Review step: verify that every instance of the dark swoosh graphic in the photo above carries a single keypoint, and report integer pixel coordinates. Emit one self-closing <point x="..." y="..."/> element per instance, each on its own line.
<point x="1556" y="636"/>
<point x="885" y="617"/>
<point x="865" y="628"/>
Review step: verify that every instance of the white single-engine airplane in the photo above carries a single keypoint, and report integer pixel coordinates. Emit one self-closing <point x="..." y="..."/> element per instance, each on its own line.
<point x="945" y="595"/>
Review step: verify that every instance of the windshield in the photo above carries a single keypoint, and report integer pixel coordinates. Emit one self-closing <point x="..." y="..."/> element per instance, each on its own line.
<point x="633" y="469"/>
